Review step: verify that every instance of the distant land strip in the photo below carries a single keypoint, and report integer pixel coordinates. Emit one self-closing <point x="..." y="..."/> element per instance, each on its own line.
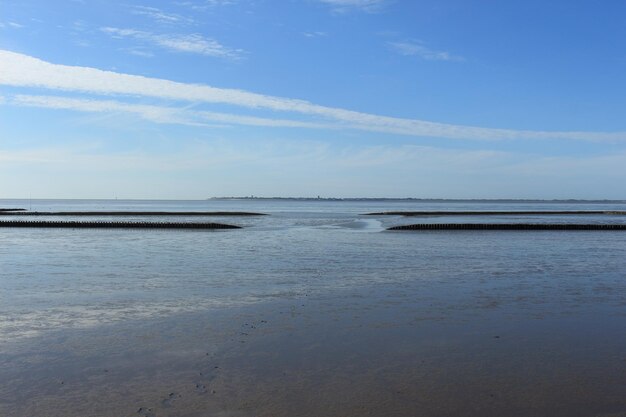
<point x="494" y="213"/>
<point x="113" y="225"/>
<point x="427" y="200"/>
<point x="509" y="226"/>
<point x="128" y="213"/>
<point x="11" y="209"/>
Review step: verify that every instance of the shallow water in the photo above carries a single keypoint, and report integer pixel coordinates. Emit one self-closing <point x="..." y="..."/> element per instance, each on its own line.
<point x="313" y="310"/>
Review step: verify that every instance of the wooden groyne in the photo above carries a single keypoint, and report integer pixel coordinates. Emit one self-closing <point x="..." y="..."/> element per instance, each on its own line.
<point x="113" y="225"/>
<point x="497" y="213"/>
<point x="128" y="213"/>
<point x="508" y="226"/>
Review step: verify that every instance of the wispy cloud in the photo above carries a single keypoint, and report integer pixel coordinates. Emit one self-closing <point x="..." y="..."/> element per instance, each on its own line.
<point x="160" y="16"/>
<point x="213" y="3"/>
<point x="139" y="52"/>
<point x="204" y="5"/>
<point x="12" y="25"/>
<point x="194" y="43"/>
<point x="80" y="32"/>
<point x="416" y="48"/>
<point x="158" y="114"/>
<point x="82" y="43"/>
<point x="316" y="34"/>
<point x="370" y="6"/>
<point x="25" y="71"/>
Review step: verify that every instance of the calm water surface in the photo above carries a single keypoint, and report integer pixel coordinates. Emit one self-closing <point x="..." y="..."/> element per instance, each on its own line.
<point x="313" y="310"/>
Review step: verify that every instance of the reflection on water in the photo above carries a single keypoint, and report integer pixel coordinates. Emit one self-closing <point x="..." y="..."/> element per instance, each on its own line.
<point x="311" y="311"/>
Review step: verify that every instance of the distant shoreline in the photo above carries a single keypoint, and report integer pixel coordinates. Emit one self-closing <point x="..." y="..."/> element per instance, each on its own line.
<point x="424" y="200"/>
<point x="339" y="199"/>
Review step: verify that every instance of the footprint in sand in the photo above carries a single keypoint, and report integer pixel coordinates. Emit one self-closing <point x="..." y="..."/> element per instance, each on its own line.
<point x="170" y="399"/>
<point x="145" y="412"/>
<point x="201" y="389"/>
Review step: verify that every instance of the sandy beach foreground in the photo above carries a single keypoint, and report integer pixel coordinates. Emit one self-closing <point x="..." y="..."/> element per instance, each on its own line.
<point x="368" y="352"/>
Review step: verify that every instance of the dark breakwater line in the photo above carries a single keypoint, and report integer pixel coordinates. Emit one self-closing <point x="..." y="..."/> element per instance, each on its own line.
<point x="114" y="225"/>
<point x="3" y="210"/>
<point x="493" y="213"/>
<point x="509" y="226"/>
<point x="129" y="213"/>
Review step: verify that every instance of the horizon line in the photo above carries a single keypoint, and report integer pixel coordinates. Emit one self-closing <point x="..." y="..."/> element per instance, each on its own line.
<point x="318" y="198"/>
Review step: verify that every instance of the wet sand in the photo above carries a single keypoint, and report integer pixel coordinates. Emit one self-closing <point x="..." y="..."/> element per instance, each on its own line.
<point x="366" y="352"/>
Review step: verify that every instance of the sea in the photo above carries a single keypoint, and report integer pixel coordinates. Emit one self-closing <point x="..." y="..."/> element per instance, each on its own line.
<point x="314" y="309"/>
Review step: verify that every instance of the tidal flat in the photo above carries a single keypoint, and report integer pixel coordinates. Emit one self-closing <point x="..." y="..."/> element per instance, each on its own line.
<point x="367" y="352"/>
<point x="312" y="311"/>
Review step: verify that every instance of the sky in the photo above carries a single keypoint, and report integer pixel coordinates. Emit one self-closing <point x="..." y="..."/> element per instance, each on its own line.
<point x="191" y="99"/>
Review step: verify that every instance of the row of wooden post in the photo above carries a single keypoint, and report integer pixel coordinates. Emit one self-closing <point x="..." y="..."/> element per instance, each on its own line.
<point x="114" y="225"/>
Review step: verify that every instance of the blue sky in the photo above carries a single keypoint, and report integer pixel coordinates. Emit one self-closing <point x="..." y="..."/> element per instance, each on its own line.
<point x="338" y="98"/>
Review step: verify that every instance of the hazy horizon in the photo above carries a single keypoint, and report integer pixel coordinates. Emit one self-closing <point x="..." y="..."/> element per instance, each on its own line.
<point x="329" y="198"/>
